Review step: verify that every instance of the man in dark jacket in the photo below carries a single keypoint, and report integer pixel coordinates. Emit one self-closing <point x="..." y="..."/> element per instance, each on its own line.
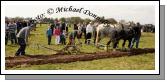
<point x="52" y="26"/>
<point x="63" y="26"/>
<point x="137" y="34"/>
<point x="19" y="26"/>
<point x="24" y="23"/>
<point x="75" y="30"/>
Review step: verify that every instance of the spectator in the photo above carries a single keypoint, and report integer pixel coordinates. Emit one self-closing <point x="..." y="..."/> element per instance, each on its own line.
<point x="71" y="39"/>
<point x="24" y="23"/>
<point x="66" y="29"/>
<point x="49" y="34"/>
<point x="63" y="26"/>
<point x="12" y="31"/>
<point x="75" y="30"/>
<point x="89" y="30"/>
<point x="56" y="33"/>
<point x="56" y="22"/>
<point x="79" y="33"/>
<point x="84" y="30"/>
<point x="19" y="26"/>
<point x="52" y="27"/>
<point x="63" y="38"/>
<point x="6" y="32"/>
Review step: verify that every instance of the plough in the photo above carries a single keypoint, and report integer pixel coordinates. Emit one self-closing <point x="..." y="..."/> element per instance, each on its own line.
<point x="103" y="45"/>
<point x="68" y="49"/>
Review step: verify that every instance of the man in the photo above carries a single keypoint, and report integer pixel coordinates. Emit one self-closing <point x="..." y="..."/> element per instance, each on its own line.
<point x="24" y="23"/>
<point x="79" y="33"/>
<point x="12" y="30"/>
<point x="75" y="30"/>
<point x="84" y="30"/>
<point x="71" y="38"/>
<point x="137" y="34"/>
<point x="6" y="32"/>
<point x="49" y="34"/>
<point x="52" y="27"/>
<point x="19" y="26"/>
<point x="56" y="22"/>
<point x="63" y="26"/>
<point x="89" y="30"/>
<point x="23" y="39"/>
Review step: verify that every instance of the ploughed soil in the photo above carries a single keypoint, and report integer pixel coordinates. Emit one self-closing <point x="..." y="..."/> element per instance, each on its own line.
<point x="62" y="58"/>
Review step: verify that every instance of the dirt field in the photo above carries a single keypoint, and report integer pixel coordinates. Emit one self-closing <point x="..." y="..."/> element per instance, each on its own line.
<point x="62" y="58"/>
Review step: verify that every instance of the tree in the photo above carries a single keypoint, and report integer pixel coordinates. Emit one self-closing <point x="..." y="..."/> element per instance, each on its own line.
<point x="87" y="20"/>
<point x="62" y="19"/>
<point x="75" y="20"/>
<point x="112" y="20"/>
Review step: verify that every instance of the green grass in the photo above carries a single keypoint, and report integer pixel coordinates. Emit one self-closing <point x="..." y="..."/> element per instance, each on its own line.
<point x="144" y="61"/>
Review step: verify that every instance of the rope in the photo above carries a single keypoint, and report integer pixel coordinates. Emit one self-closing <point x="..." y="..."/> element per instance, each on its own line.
<point x="50" y="48"/>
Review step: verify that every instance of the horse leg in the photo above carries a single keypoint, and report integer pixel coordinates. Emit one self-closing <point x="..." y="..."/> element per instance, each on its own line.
<point x="129" y="43"/>
<point x="123" y="45"/>
<point x="115" y="45"/>
<point x="97" y="45"/>
<point x="98" y="38"/>
<point x="95" y="35"/>
<point x="108" y="44"/>
<point x="114" y="38"/>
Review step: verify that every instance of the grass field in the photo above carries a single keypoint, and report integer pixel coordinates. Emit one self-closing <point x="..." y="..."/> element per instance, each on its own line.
<point x="139" y="62"/>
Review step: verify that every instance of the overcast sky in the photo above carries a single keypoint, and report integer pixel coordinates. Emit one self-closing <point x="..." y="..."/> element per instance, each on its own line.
<point x="137" y="13"/>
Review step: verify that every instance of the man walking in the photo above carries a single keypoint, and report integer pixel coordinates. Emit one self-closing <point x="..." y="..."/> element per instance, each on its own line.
<point x="23" y="39"/>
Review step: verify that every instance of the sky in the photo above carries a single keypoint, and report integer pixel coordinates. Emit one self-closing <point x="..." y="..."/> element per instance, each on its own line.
<point x="145" y="14"/>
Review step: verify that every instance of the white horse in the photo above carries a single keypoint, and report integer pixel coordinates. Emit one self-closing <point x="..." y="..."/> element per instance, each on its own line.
<point x="105" y="30"/>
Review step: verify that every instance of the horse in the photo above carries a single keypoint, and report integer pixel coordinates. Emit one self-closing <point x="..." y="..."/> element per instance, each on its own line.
<point x="115" y="33"/>
<point x="103" y="30"/>
<point x="127" y="33"/>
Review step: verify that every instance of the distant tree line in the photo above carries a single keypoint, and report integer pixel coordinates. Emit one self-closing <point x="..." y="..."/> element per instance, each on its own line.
<point x="70" y="20"/>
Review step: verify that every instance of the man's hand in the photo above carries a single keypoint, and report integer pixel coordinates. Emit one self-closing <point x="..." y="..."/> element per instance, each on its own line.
<point x="26" y="41"/>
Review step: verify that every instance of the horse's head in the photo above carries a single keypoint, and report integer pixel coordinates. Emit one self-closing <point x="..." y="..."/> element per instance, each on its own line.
<point x="130" y="24"/>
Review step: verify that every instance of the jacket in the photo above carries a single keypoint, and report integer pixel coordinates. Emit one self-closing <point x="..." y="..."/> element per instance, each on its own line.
<point x="56" y="32"/>
<point x="89" y="28"/>
<point x="24" y="33"/>
<point x="49" y="32"/>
